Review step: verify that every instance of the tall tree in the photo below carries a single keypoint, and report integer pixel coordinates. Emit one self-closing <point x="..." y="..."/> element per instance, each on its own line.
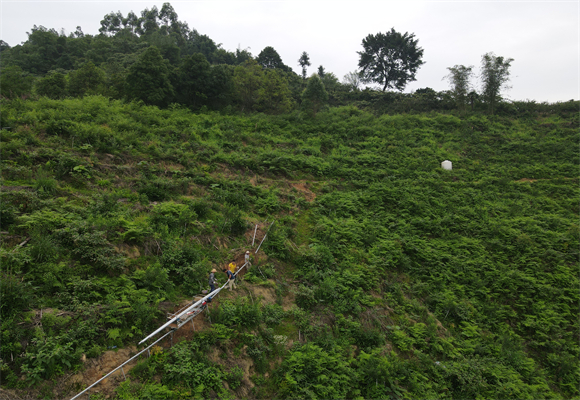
<point x="390" y="59"/>
<point x="304" y="61"/>
<point x="150" y="20"/>
<point x="193" y="76"/>
<point x="274" y="94"/>
<point x="331" y="84"/>
<point x="4" y="46"/>
<point x="459" y="77"/>
<point x="40" y="53"/>
<point x="167" y="15"/>
<point x="148" y="79"/>
<point x="270" y="59"/>
<point x="220" y="86"/>
<point x="14" y="82"/>
<point x="88" y="79"/>
<point x="315" y="95"/>
<point x="242" y="55"/>
<point x="132" y="23"/>
<point x="495" y="74"/>
<point x="352" y="80"/>
<point x="247" y="82"/>
<point x="111" y="23"/>
<point x="202" y="44"/>
<point x="53" y="86"/>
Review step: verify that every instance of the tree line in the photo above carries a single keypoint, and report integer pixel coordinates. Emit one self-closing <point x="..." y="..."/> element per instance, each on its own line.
<point x="158" y="59"/>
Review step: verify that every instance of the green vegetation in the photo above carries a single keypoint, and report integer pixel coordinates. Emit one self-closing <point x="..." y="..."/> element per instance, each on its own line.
<point x="408" y="280"/>
<point x="135" y="161"/>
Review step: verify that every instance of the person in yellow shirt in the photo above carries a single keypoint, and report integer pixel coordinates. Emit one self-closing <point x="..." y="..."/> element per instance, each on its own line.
<point x="233" y="267"/>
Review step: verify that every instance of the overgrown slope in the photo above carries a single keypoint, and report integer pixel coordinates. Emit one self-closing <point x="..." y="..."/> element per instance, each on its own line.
<point x="408" y="280"/>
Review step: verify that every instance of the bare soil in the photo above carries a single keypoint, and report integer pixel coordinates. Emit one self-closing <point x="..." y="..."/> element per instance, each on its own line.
<point x="302" y="188"/>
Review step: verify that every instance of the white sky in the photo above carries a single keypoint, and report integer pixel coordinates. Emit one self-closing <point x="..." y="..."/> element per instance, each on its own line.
<point x="541" y="36"/>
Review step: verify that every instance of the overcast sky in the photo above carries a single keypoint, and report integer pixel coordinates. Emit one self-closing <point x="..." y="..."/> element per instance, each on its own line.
<point x="541" y="36"/>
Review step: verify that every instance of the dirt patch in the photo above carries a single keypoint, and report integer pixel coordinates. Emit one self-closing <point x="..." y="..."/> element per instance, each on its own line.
<point x="289" y="300"/>
<point x="267" y="294"/>
<point x="131" y="252"/>
<point x="15" y="188"/>
<point x="244" y="362"/>
<point x="247" y="365"/>
<point x="10" y="395"/>
<point x="301" y="187"/>
<point x="96" y="368"/>
<point x="170" y="167"/>
<point x="527" y="180"/>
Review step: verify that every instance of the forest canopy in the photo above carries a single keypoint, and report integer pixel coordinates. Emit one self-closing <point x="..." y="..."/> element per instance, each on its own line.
<point x="56" y="65"/>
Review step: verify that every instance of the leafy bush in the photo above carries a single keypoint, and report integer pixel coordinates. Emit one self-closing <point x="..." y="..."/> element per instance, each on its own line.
<point x="16" y="294"/>
<point x="135" y="231"/>
<point x="44" y="183"/>
<point x="90" y="246"/>
<point x="185" y="369"/>
<point x="305" y="297"/>
<point x="43" y="248"/>
<point x="272" y="314"/>
<point x="157" y="189"/>
<point x="312" y="373"/>
<point x="234" y="222"/>
<point x="200" y="208"/>
<point x="179" y="256"/>
<point x="129" y="390"/>
<point x="173" y="215"/>
<point x="8" y="215"/>
<point x="49" y="359"/>
<point x="234" y="377"/>
<point x="240" y="311"/>
<point x="154" y="279"/>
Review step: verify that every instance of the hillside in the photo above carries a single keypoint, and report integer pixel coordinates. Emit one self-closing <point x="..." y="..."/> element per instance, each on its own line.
<point x="383" y="275"/>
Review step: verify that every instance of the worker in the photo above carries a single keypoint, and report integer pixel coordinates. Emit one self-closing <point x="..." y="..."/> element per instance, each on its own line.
<point x="231" y="279"/>
<point x="212" y="280"/>
<point x="247" y="259"/>
<point x="233" y="267"/>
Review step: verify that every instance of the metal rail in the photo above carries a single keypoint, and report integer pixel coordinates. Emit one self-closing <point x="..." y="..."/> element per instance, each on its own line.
<point x="264" y="238"/>
<point x="184" y="314"/>
<point x="254" y="238"/>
